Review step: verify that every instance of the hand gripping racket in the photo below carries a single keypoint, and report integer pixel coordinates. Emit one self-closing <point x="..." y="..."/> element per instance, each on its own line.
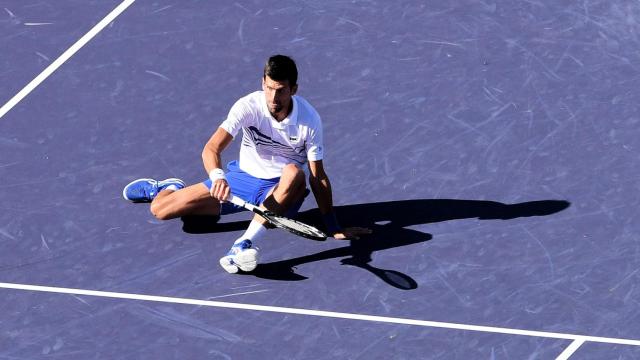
<point x="293" y="226"/>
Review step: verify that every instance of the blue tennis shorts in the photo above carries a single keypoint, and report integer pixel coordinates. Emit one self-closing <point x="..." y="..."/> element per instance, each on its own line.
<point x="251" y="189"/>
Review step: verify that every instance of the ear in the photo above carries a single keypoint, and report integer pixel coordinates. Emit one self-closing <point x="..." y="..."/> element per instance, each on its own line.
<point x="294" y="89"/>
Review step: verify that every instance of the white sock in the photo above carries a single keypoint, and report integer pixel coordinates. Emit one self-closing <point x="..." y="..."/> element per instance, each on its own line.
<point x="171" y="187"/>
<point x="253" y="232"/>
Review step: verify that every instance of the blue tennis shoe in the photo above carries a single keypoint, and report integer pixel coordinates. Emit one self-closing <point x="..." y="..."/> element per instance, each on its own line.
<point x="145" y="190"/>
<point x="242" y="256"/>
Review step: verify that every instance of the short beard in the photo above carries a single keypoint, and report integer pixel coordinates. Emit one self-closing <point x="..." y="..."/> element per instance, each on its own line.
<point x="276" y="110"/>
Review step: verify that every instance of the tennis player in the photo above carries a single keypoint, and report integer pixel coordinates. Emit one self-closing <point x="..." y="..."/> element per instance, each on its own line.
<point x="281" y="132"/>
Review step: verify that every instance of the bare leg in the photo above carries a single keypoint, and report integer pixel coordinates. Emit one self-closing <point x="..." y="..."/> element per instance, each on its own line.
<point x="192" y="200"/>
<point x="243" y="255"/>
<point x="289" y="190"/>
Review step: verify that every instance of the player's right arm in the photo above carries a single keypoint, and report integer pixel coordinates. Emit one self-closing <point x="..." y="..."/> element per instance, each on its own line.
<point x="213" y="163"/>
<point x="241" y="114"/>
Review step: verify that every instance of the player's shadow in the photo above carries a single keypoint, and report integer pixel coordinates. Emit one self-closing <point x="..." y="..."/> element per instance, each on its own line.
<point x="389" y="222"/>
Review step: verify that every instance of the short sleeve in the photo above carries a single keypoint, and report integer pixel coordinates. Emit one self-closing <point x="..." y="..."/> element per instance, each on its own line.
<point x="315" y="147"/>
<point x="238" y="117"/>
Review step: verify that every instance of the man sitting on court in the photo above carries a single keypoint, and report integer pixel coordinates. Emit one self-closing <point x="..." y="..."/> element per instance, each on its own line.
<point x="281" y="132"/>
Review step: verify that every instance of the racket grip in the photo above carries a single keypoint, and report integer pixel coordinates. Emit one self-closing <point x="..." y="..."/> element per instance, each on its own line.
<point x="239" y="202"/>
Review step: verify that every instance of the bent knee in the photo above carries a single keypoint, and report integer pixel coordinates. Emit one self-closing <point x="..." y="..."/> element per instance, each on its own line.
<point x="159" y="211"/>
<point x="163" y="209"/>
<point x="293" y="173"/>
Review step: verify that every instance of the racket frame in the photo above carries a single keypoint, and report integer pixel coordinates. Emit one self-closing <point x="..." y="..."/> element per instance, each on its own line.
<point x="272" y="219"/>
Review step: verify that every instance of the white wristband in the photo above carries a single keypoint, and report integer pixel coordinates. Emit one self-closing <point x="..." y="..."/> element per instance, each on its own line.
<point x="216" y="174"/>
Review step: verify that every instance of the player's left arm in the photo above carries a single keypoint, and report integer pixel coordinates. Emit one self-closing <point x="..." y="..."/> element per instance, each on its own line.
<point x="321" y="187"/>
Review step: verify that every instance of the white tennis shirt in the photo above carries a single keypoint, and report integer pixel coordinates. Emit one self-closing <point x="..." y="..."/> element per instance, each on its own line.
<point x="268" y="145"/>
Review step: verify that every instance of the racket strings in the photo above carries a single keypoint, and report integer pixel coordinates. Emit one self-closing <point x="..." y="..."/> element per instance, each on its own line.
<point x="297" y="226"/>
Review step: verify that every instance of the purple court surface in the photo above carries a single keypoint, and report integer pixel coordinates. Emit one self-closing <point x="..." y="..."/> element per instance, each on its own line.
<point x="492" y="146"/>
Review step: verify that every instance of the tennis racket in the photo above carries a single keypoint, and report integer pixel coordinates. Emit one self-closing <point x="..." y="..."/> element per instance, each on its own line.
<point x="292" y="226"/>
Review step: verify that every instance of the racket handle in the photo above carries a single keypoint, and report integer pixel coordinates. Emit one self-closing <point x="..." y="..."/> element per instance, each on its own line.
<point x="239" y="202"/>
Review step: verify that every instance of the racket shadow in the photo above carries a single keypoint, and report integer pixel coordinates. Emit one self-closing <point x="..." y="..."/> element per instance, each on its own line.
<point x="389" y="222"/>
<point x="357" y="253"/>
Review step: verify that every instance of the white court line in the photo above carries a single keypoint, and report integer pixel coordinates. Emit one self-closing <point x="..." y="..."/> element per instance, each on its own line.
<point x="570" y="349"/>
<point x="578" y="339"/>
<point x="64" y="57"/>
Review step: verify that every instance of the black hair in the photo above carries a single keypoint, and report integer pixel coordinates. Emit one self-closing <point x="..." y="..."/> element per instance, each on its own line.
<point x="281" y="68"/>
